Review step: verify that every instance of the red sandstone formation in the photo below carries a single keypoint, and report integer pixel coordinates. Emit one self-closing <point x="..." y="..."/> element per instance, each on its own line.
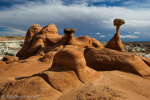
<point x="69" y="37"/>
<point x="34" y="29"/>
<point x="68" y="67"/>
<point x="2" y="62"/>
<point x="10" y="59"/>
<point x="107" y="59"/>
<point x="96" y="43"/>
<point x="40" y="37"/>
<point x="115" y="43"/>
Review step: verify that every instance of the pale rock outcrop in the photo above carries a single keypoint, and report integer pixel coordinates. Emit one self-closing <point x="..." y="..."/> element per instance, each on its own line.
<point x="14" y="45"/>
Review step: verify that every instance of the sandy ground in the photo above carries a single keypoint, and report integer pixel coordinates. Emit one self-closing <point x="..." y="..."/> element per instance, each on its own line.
<point x="114" y="85"/>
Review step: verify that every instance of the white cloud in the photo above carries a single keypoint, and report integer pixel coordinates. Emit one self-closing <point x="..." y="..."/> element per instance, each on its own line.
<point x="54" y="10"/>
<point x="12" y="31"/>
<point x="10" y="1"/>
<point x="137" y="23"/>
<point x="128" y="36"/>
<point x="98" y="33"/>
<point x="109" y="35"/>
<point x="137" y="33"/>
<point x="129" y="2"/>
<point x="78" y="15"/>
<point x="146" y="33"/>
<point x="92" y="22"/>
<point x="102" y="36"/>
<point x="93" y="1"/>
<point x="105" y="21"/>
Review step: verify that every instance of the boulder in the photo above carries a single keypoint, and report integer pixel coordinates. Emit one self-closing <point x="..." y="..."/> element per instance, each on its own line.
<point x="11" y="52"/>
<point x="118" y="22"/>
<point x="10" y="59"/>
<point x="1" y="57"/>
<point x="14" y="45"/>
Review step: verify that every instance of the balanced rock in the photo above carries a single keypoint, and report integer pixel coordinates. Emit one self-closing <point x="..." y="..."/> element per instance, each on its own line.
<point x="69" y="31"/>
<point x="116" y="43"/>
<point x="80" y="42"/>
<point x="119" y="22"/>
<point x="69" y="37"/>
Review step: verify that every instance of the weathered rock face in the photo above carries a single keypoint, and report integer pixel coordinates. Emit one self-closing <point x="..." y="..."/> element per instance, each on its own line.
<point x="107" y="59"/>
<point x="48" y="36"/>
<point x="9" y="59"/>
<point x="58" y="65"/>
<point x="34" y="29"/>
<point x="73" y="57"/>
<point x="96" y="43"/>
<point x="115" y="43"/>
<point x="40" y="37"/>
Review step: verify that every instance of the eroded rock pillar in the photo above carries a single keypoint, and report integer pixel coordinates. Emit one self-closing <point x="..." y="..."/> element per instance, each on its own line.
<point x="116" y="43"/>
<point x="69" y="37"/>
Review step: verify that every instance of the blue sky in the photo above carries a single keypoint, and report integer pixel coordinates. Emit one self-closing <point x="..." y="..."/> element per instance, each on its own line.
<point x="90" y="17"/>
